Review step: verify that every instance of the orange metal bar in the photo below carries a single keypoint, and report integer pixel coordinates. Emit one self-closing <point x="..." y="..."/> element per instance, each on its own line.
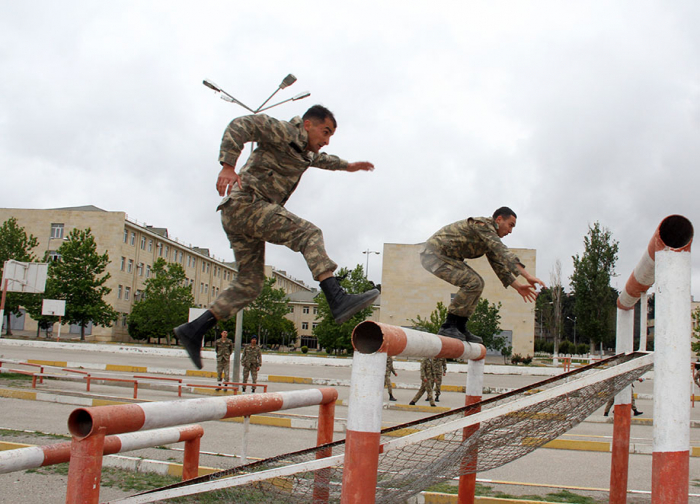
<point x="85" y="469"/>
<point x="326" y="419"/>
<point x="620" y="454"/>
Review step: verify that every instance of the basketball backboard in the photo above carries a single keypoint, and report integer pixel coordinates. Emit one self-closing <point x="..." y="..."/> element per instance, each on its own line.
<point x="56" y="307"/>
<point x="24" y="277"/>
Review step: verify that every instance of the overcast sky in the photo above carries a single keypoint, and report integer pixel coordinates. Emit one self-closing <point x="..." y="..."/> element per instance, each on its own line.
<point x="568" y="112"/>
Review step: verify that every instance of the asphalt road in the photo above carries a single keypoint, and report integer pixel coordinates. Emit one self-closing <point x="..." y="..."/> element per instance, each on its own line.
<point x="542" y="467"/>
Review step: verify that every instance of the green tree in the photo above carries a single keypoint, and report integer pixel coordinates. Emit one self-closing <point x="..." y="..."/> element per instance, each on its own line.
<point x="15" y="244"/>
<point x="590" y="282"/>
<point x="485" y="322"/>
<point x="165" y="304"/>
<point x="334" y="337"/>
<point x="265" y="316"/>
<point x="433" y="322"/>
<point x="79" y="278"/>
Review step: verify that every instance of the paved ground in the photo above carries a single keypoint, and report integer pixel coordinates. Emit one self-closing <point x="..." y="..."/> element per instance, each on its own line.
<point x="543" y="467"/>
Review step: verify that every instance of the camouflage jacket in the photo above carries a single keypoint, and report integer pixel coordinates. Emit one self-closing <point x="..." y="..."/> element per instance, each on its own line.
<point x="273" y="170"/>
<point x="251" y="357"/>
<point x="474" y="237"/>
<point x="426" y="370"/>
<point x="439" y="366"/>
<point x="224" y="349"/>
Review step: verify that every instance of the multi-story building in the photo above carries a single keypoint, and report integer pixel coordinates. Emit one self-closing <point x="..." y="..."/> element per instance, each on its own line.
<point x="408" y="290"/>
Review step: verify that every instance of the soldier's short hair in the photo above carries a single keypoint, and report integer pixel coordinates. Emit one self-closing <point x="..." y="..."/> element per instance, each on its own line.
<point x="319" y="113"/>
<point x="504" y="212"/>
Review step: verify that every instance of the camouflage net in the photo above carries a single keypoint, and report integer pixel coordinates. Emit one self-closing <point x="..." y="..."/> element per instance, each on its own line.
<point x="420" y="454"/>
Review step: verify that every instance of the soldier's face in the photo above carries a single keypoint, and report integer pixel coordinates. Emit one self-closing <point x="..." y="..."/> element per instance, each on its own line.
<point x="505" y="225"/>
<point x="320" y="133"/>
<point x="224" y="335"/>
<point x="253" y="342"/>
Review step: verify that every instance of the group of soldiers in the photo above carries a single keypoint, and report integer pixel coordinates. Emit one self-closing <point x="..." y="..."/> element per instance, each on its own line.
<point x="431" y="373"/>
<point x="251" y="360"/>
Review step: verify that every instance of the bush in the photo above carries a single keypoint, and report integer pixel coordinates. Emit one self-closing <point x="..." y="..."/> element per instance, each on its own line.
<point x="582" y="348"/>
<point x="566" y="347"/>
<point x="527" y="360"/>
<point x="304" y="349"/>
<point x="516" y="359"/>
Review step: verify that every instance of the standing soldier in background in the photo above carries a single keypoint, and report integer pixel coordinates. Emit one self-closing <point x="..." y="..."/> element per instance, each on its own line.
<point x="439" y="370"/>
<point x="426" y="376"/>
<point x="251" y="359"/>
<point x="224" y="349"/>
<point x="387" y="376"/>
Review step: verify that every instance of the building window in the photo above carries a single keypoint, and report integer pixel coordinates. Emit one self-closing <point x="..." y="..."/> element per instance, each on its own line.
<point x="204" y="267"/>
<point x="305" y="326"/>
<point x="180" y="261"/>
<point x="208" y="264"/>
<point x="57" y="231"/>
<point x="123" y="263"/>
<point x="206" y="288"/>
<point x="126" y="235"/>
<point x="148" y="271"/>
<point x="314" y="325"/>
<point x="143" y="243"/>
<point x="54" y="256"/>
<point x="305" y="309"/>
<point x="315" y="310"/>
<point x="130" y="266"/>
<point x="291" y="309"/>
<point x="201" y="288"/>
<point x="139" y="268"/>
<point x="167" y="251"/>
<point x="124" y="319"/>
<point x="127" y="292"/>
<point x="119" y="292"/>
<point x="133" y="238"/>
<point x="150" y="245"/>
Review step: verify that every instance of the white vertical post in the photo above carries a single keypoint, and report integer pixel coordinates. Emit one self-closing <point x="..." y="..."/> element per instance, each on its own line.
<point x="363" y="428"/>
<point x="671" y="446"/>
<point x="643" y="314"/>
<point x="474" y="389"/>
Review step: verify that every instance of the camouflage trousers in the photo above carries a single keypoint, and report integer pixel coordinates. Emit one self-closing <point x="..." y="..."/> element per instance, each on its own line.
<point x="252" y="372"/>
<point x="250" y="222"/>
<point x="437" y="384"/>
<point x="387" y="382"/>
<point x="425" y="386"/>
<point x="222" y="369"/>
<point x="458" y="273"/>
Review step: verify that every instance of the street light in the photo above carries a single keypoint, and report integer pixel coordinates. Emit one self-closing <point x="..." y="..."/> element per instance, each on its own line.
<point x="286" y="82"/>
<point x="368" y="252"/>
<point x="574" y="320"/>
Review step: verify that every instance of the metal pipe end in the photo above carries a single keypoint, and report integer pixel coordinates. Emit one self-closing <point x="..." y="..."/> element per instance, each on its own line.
<point x="367" y="337"/>
<point x="80" y="423"/>
<point x="676" y="232"/>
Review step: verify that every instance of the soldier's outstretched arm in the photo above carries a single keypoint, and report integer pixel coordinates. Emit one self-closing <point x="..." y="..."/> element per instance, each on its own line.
<point x="360" y="165"/>
<point x="527" y="291"/>
<point x="532" y="280"/>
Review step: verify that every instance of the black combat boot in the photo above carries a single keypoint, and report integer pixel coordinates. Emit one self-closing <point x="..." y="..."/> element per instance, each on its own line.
<point x="343" y="305"/>
<point x="456" y="327"/>
<point x="192" y="333"/>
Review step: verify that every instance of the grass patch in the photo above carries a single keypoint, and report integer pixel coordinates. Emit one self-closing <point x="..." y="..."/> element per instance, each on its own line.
<point x="487" y="491"/>
<point x="15" y="376"/>
<point x="16" y="433"/>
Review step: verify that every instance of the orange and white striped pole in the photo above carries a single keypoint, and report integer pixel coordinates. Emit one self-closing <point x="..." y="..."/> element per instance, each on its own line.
<point x="89" y="426"/>
<point x="666" y="260"/>
<point x="474" y="389"/>
<point x="40" y="456"/>
<point x="373" y="341"/>
<point x="619" y="467"/>
<point x="671" y="444"/>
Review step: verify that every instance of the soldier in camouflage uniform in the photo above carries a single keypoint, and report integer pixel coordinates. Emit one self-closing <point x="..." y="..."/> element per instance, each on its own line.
<point x="444" y="256"/>
<point x="426" y="376"/>
<point x="439" y="370"/>
<point x="387" y="376"/>
<point x="251" y="359"/>
<point x="224" y="349"/>
<point x="253" y="213"/>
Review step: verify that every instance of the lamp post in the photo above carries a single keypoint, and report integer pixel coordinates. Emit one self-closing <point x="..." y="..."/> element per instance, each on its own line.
<point x="368" y="252"/>
<point x="286" y="82"/>
<point x="574" y="320"/>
